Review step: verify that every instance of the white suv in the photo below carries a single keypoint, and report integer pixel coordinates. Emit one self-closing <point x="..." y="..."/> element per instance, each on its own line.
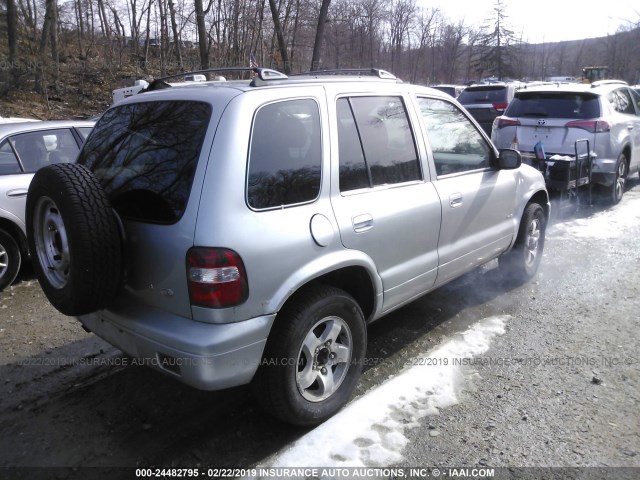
<point x="245" y="231"/>
<point x="24" y="148"/>
<point x="555" y="116"/>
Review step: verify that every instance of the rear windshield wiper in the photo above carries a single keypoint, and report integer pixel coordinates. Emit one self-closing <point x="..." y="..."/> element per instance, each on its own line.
<point x="534" y="114"/>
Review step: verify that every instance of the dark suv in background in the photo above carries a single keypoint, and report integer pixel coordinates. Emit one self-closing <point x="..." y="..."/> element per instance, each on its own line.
<point x="487" y="101"/>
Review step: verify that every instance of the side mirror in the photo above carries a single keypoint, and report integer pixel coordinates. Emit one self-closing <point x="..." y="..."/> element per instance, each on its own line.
<point x="509" y="159"/>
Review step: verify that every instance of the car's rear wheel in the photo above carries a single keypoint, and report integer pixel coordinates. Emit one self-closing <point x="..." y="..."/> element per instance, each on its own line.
<point x="313" y="357"/>
<point x="10" y="259"/>
<point x="521" y="263"/>
<point x="74" y="239"/>
<point x="616" y="191"/>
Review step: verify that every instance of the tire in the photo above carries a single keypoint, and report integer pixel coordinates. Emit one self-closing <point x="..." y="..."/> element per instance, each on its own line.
<point x="521" y="263"/>
<point x="313" y="357"/>
<point x="616" y="190"/>
<point x="10" y="259"/>
<point x="74" y="239"/>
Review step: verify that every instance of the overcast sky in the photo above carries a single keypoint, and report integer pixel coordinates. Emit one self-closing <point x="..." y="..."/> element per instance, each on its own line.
<point x="546" y="20"/>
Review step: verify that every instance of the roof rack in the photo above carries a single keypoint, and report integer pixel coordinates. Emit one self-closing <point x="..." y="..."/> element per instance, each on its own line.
<point x="266" y="75"/>
<point x="608" y="82"/>
<point x="374" y="72"/>
<point x="262" y="75"/>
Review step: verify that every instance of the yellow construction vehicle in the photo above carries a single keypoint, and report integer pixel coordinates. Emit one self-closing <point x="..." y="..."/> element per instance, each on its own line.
<point x="593" y="74"/>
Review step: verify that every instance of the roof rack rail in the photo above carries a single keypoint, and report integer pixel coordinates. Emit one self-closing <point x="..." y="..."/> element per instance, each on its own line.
<point x="266" y="75"/>
<point x="374" y="72"/>
<point x="608" y="82"/>
<point x="263" y="74"/>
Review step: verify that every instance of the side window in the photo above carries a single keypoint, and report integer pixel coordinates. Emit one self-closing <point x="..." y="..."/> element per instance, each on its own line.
<point x="621" y="101"/>
<point x="456" y="144"/>
<point x="39" y="149"/>
<point x="84" y="131"/>
<point x="635" y="96"/>
<point x="62" y="146"/>
<point x="376" y="145"/>
<point x="353" y="169"/>
<point x="8" y="160"/>
<point x="285" y="155"/>
<point x="31" y="150"/>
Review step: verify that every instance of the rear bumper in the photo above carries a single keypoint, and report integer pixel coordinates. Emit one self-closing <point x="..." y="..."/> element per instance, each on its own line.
<point x="205" y="356"/>
<point x="604" y="171"/>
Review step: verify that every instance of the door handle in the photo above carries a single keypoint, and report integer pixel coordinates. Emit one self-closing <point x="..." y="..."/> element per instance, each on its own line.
<point x="455" y="200"/>
<point x="362" y="223"/>
<point x="18" y="192"/>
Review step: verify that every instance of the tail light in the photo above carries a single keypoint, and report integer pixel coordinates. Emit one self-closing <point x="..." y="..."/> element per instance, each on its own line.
<point x="217" y="277"/>
<point x="500" y="107"/>
<point x="502" y="122"/>
<point x="591" y="126"/>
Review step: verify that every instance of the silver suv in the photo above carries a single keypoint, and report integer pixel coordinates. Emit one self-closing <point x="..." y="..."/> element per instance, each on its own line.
<point x="260" y="225"/>
<point x="24" y="148"/>
<point x="605" y="114"/>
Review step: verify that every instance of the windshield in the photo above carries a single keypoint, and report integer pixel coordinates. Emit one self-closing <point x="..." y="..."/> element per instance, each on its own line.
<point x="145" y="155"/>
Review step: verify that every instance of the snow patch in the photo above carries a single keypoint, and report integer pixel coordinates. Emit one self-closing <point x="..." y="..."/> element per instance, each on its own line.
<point x="605" y="224"/>
<point x="369" y="432"/>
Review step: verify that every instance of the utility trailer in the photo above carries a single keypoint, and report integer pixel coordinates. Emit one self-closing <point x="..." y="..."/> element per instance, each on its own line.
<point x="568" y="177"/>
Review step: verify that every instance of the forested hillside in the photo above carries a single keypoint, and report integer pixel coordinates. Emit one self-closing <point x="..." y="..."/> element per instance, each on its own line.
<point x="60" y="58"/>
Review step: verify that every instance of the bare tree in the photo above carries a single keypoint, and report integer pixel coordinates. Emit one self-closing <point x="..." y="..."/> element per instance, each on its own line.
<point x="373" y="13"/>
<point x="401" y="19"/>
<point x="282" y="46"/>
<point x="424" y="32"/>
<point x="12" y="37"/>
<point x="451" y="38"/>
<point x="177" y="43"/>
<point x="203" y="35"/>
<point x="49" y="36"/>
<point x="317" y="45"/>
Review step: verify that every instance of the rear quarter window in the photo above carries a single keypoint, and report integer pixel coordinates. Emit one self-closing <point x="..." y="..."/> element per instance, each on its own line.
<point x="554" y="105"/>
<point x="145" y="156"/>
<point x="285" y="155"/>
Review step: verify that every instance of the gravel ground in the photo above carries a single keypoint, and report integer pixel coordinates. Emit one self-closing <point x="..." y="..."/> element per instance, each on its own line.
<point x="561" y="388"/>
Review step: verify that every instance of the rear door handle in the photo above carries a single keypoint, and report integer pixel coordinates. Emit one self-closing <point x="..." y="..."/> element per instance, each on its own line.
<point x="362" y="223"/>
<point x="455" y="200"/>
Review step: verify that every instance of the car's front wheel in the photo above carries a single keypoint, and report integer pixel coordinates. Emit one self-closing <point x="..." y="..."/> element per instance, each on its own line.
<point x="313" y="357"/>
<point x="521" y="263"/>
<point x="10" y="259"/>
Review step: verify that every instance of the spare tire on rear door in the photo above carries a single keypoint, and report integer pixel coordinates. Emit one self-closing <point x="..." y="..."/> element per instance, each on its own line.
<point x="74" y="239"/>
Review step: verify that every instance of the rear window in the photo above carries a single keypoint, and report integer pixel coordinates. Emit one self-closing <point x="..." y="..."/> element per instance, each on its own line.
<point x="554" y="105"/>
<point x="449" y="90"/>
<point x="145" y="155"/>
<point x="488" y="94"/>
